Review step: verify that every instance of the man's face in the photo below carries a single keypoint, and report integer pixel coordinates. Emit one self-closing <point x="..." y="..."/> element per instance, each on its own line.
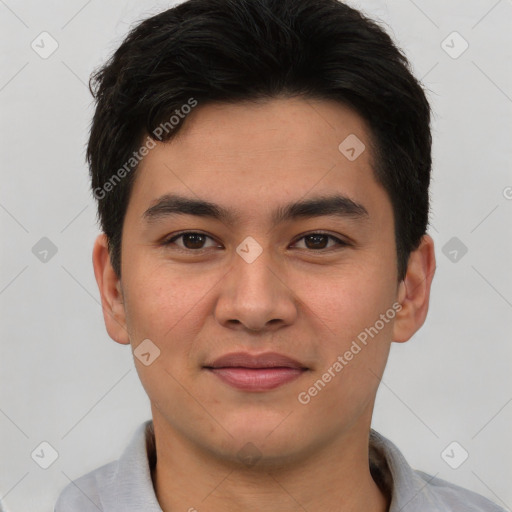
<point x="253" y="283"/>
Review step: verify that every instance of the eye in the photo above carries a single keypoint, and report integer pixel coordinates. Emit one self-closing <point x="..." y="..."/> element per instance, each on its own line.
<point x="318" y="241"/>
<point x="191" y="240"/>
<point x="195" y="241"/>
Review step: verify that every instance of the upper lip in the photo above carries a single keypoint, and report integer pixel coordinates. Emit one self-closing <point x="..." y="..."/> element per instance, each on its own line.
<point x="246" y="360"/>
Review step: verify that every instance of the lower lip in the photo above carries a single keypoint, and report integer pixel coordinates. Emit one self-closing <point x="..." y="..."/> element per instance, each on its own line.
<point x="257" y="379"/>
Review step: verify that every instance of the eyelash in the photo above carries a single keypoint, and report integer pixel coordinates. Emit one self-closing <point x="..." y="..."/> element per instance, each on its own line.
<point x="171" y="240"/>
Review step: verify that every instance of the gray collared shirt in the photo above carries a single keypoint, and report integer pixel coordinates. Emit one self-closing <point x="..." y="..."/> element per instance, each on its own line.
<point x="125" y="485"/>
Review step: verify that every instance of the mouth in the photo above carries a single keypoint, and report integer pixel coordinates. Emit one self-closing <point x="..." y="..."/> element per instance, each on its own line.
<point x="260" y="372"/>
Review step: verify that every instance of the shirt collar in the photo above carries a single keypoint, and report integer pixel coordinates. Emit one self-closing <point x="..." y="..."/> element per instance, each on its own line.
<point x="132" y="483"/>
<point x="133" y="489"/>
<point x="409" y="491"/>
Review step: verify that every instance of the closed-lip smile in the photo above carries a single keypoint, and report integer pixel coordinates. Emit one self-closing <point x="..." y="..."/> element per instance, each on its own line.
<point x="256" y="372"/>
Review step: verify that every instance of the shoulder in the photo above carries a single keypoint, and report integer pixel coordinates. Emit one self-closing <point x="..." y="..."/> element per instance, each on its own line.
<point x="85" y="493"/>
<point x="121" y="485"/>
<point x="448" y="496"/>
<point x="416" y="491"/>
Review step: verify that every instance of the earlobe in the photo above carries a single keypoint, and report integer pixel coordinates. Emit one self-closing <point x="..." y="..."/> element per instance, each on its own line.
<point x="109" y="285"/>
<point x="414" y="291"/>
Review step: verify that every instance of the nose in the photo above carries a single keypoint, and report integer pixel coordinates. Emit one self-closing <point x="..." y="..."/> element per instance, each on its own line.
<point x="256" y="296"/>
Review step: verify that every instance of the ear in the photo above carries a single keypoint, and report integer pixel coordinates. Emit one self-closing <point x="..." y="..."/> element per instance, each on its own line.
<point x="112" y="301"/>
<point x="414" y="291"/>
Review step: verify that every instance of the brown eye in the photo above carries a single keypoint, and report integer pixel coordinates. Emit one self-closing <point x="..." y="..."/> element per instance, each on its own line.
<point x="193" y="240"/>
<point x="318" y="241"/>
<point x="190" y="240"/>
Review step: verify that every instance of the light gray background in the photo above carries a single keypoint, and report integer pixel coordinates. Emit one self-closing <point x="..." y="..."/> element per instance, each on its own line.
<point x="64" y="381"/>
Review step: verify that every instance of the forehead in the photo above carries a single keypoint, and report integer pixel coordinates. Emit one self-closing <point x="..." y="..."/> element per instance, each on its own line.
<point x="306" y="127"/>
<point x="256" y="157"/>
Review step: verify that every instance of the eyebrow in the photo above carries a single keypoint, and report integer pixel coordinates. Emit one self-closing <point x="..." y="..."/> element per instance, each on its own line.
<point x="336" y="205"/>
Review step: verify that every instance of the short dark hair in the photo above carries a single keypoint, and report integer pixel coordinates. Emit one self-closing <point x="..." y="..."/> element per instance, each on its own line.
<point x="208" y="51"/>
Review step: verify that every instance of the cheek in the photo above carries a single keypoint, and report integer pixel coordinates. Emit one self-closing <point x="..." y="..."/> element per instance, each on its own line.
<point x="347" y="300"/>
<point x="166" y="309"/>
<point x="161" y="304"/>
<point x="353" y="355"/>
<point x="350" y="305"/>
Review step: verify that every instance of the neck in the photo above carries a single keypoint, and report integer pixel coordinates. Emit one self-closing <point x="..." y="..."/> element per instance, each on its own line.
<point x="335" y="477"/>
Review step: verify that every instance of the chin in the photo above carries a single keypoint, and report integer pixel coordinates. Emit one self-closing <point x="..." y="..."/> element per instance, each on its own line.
<point x="271" y="441"/>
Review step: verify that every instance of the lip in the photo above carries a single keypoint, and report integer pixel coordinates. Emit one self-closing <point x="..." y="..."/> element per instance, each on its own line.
<point x="256" y="372"/>
<point x="264" y="360"/>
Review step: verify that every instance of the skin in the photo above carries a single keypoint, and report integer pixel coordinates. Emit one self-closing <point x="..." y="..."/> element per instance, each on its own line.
<point x="305" y="302"/>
